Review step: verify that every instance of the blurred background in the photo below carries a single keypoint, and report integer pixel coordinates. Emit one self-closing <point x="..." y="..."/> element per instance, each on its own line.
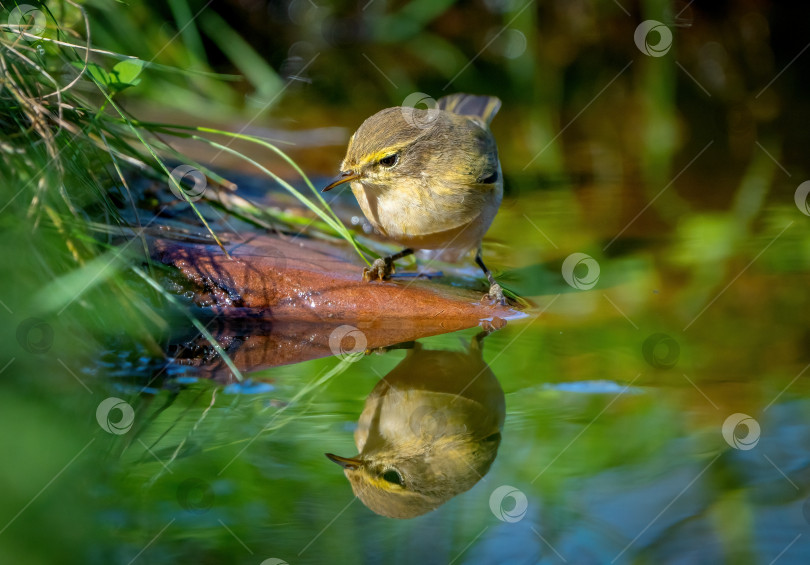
<point x="678" y="170"/>
<point x="304" y="66"/>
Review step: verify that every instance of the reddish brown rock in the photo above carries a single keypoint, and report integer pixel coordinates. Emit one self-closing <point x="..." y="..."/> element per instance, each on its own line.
<point x="292" y="294"/>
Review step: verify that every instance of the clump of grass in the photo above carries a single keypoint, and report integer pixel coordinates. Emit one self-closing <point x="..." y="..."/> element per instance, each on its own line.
<point x="68" y="146"/>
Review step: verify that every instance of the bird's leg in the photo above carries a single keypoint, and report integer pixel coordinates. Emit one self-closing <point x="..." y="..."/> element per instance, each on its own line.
<point x="495" y="293"/>
<point x="383" y="268"/>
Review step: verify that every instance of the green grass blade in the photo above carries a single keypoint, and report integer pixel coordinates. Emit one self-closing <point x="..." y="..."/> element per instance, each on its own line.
<point x="334" y="223"/>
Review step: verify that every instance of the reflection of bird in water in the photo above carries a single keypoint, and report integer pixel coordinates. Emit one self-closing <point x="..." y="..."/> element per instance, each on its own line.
<point x="429" y="430"/>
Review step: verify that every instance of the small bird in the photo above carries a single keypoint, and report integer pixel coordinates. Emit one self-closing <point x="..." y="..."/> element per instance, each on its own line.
<point x="428" y="179"/>
<point x="428" y="431"/>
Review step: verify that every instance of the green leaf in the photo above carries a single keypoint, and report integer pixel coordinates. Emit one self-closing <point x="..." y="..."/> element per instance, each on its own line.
<point x="95" y="71"/>
<point x="126" y="73"/>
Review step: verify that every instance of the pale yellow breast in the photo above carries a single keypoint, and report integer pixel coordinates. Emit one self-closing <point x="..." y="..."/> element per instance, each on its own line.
<point x="436" y="217"/>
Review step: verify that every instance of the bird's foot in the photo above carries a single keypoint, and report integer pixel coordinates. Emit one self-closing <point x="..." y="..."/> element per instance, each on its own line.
<point x="495" y="295"/>
<point x="380" y="270"/>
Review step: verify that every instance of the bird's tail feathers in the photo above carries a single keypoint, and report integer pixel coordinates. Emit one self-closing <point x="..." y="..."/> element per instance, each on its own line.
<point x="484" y="107"/>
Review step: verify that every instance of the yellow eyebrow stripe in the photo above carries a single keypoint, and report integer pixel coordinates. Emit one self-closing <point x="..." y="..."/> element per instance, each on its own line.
<point x="381" y="483"/>
<point x="374" y="157"/>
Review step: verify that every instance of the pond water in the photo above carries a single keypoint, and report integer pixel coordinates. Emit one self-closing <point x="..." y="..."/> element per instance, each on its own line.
<point x="652" y="407"/>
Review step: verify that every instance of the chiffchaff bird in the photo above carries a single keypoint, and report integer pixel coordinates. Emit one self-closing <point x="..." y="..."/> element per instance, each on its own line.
<point x="428" y="179"/>
<point x="429" y="430"/>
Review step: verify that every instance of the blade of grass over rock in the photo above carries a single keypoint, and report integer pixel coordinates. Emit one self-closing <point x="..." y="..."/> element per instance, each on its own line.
<point x="240" y="203"/>
<point x="265" y="143"/>
<point x="185" y="159"/>
<point x="334" y="223"/>
<point x="281" y="154"/>
<point x="257" y="140"/>
<point x="197" y="323"/>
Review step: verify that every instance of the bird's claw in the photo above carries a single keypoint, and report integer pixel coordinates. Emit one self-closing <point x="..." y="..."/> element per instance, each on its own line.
<point x="495" y="295"/>
<point x="380" y="270"/>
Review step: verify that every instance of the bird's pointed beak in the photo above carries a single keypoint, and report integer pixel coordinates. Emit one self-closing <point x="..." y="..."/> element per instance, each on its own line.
<point x="348" y="176"/>
<point x="345" y="462"/>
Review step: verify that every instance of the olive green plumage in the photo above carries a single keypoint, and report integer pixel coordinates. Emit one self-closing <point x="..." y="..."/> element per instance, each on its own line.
<point x="428" y="178"/>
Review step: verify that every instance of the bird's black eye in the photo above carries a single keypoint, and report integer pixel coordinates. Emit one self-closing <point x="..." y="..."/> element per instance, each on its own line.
<point x="389" y="161"/>
<point x="490" y="179"/>
<point x="392" y="476"/>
